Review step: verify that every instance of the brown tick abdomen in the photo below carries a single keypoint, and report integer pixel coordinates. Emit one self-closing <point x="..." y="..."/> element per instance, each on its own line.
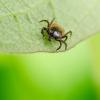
<point x="57" y="27"/>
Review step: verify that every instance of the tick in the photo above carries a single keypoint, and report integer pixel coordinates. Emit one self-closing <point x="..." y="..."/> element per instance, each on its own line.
<point x="55" y="31"/>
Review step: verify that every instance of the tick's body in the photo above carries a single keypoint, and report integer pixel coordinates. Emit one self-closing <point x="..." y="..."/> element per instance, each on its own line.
<point x="56" y="32"/>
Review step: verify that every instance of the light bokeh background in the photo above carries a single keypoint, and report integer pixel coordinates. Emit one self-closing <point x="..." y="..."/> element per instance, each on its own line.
<point x="72" y="75"/>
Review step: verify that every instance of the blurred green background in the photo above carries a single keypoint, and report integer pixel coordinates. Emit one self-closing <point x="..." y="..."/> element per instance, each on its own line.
<point x="72" y="75"/>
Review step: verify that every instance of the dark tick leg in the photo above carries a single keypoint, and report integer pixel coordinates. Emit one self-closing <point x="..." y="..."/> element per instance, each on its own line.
<point x="70" y="32"/>
<point x="52" y="21"/>
<point x="59" y="46"/>
<point x="66" y="37"/>
<point x="46" y="22"/>
<point x="65" y="44"/>
<point x="43" y="30"/>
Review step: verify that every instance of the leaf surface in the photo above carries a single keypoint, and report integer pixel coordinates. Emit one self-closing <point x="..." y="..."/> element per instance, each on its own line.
<point x="20" y="30"/>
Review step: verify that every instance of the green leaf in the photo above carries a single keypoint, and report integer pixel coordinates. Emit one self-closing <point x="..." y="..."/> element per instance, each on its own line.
<point x="20" y="30"/>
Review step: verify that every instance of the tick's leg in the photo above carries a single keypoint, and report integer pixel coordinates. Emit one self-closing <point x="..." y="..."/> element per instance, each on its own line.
<point x="43" y="30"/>
<point x="66" y="37"/>
<point x="65" y="44"/>
<point x="46" y="22"/>
<point x="52" y="21"/>
<point x="59" y="45"/>
<point x="70" y="33"/>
